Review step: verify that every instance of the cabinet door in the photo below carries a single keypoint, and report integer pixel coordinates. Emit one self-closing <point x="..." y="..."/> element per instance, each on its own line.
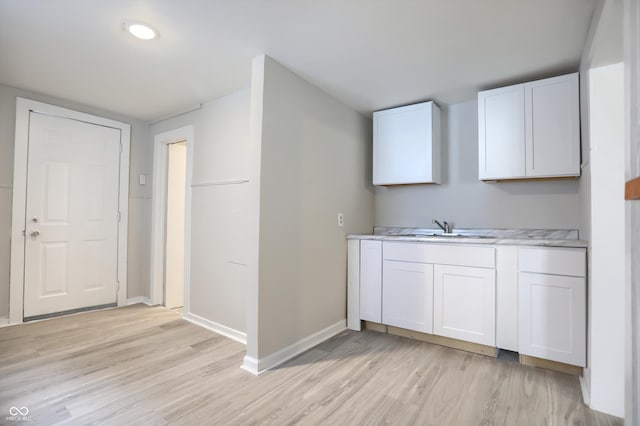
<point x="553" y="127"/>
<point x="552" y="321"/>
<point x="407" y="295"/>
<point x="371" y="280"/>
<point x="465" y="303"/>
<point x="501" y="133"/>
<point x="404" y="147"/>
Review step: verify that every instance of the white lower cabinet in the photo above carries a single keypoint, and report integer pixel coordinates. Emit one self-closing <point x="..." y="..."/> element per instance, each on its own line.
<point x="455" y="290"/>
<point x="407" y="295"/>
<point x="371" y="280"/>
<point x="552" y="317"/>
<point x="465" y="303"/>
<point x="552" y="304"/>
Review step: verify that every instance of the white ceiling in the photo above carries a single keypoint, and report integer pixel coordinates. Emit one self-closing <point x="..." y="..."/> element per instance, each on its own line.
<point x="372" y="54"/>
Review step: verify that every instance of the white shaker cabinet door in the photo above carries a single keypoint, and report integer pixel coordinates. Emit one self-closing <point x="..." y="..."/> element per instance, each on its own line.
<point x="552" y="109"/>
<point x="371" y="280"/>
<point x="501" y="133"/>
<point x="552" y="317"/>
<point x="464" y="303"/>
<point x="530" y="130"/>
<point x="407" y="295"/>
<point x="406" y="145"/>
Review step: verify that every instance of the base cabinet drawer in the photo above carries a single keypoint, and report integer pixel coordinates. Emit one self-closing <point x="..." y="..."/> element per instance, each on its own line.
<point x="464" y="303"/>
<point x="407" y="295"/>
<point x="553" y="260"/>
<point x="552" y="319"/>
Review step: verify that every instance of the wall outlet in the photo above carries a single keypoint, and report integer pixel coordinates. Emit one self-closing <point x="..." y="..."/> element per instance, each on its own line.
<point x="143" y="179"/>
<point x="340" y="220"/>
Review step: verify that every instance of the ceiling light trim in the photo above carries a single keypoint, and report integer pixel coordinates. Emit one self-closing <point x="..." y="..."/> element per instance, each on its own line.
<point x="140" y="30"/>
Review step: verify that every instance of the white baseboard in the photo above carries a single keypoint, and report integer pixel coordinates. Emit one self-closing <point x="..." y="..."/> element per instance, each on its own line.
<point x="236" y="335"/>
<point x="139" y="299"/>
<point x="261" y="365"/>
<point x="4" y="321"/>
<point x="250" y="364"/>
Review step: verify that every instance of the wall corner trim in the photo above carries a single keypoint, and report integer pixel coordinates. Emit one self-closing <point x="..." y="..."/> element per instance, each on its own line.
<point x="139" y="299"/>
<point x="584" y="387"/>
<point x="250" y="364"/>
<point x="261" y="365"/>
<point x="223" y="330"/>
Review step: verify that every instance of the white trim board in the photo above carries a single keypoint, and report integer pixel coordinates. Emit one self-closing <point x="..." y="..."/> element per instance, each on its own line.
<point x="159" y="212"/>
<point x="584" y="387"/>
<point x="139" y="299"/>
<point x="236" y="335"/>
<point x="221" y="182"/>
<point x="259" y="366"/>
<point x="18" y="216"/>
<point x="4" y="322"/>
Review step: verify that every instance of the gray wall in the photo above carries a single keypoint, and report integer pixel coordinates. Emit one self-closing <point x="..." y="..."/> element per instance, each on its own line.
<point x="219" y="239"/>
<point x="315" y="162"/>
<point x="469" y="203"/>
<point x="139" y="196"/>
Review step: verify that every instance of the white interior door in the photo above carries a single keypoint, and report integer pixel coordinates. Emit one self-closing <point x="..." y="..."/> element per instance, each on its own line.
<point x="176" y="189"/>
<point x="71" y="249"/>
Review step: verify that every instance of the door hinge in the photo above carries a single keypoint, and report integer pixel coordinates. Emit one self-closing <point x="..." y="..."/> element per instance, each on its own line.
<point x="119" y="217"/>
<point x="121" y="147"/>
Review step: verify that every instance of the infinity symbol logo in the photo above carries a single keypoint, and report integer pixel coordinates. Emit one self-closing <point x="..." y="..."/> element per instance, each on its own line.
<point x="22" y="411"/>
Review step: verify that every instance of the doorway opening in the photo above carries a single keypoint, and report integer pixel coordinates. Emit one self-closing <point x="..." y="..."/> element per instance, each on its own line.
<point x="171" y="218"/>
<point x="174" y="229"/>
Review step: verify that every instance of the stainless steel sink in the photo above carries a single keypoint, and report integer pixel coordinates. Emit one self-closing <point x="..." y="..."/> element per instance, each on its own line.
<point x="448" y="235"/>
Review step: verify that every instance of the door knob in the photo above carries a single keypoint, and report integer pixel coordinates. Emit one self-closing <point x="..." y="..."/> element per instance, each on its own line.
<point x="35" y="233"/>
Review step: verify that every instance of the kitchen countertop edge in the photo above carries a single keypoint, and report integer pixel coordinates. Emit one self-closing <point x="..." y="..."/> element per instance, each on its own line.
<point x="479" y="241"/>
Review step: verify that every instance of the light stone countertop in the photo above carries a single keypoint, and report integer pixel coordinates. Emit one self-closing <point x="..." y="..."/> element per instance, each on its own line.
<point x="519" y="237"/>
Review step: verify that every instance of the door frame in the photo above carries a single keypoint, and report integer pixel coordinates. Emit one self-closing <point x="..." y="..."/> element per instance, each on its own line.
<point x="161" y="142"/>
<point x="18" y="216"/>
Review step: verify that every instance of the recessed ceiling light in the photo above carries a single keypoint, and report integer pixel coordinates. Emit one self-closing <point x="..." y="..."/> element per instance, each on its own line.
<point x="141" y="30"/>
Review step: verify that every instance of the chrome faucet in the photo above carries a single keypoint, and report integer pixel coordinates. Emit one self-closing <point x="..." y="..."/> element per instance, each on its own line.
<point x="446" y="228"/>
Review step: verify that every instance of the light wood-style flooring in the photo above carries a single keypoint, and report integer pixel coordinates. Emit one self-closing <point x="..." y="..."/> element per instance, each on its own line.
<point x="142" y="365"/>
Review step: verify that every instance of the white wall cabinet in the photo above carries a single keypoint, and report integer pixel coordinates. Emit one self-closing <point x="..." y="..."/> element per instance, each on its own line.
<point x="407" y="295"/>
<point x="371" y="280"/>
<point x="465" y="303"/>
<point x="530" y="130"/>
<point x="406" y="145"/>
<point x="552" y="304"/>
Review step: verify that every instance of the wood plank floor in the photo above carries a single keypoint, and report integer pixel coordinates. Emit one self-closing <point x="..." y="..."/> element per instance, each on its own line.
<point x="142" y="365"/>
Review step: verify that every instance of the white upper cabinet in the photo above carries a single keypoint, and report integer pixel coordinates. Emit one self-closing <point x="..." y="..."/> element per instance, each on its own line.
<point x="530" y="130"/>
<point x="406" y="145"/>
